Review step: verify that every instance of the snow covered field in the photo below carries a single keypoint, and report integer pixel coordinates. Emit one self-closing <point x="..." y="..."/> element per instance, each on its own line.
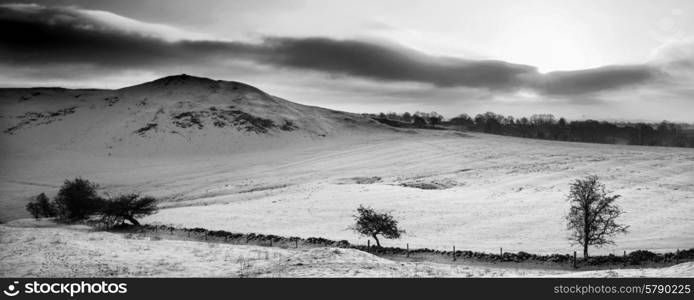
<point x="497" y="192"/>
<point x="494" y="191"/>
<point x="44" y="249"/>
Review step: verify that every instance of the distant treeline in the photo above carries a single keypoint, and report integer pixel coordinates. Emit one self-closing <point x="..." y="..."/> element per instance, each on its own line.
<point x="546" y="126"/>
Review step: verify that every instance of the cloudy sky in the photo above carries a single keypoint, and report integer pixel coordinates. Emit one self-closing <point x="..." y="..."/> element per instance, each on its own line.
<point x="618" y="59"/>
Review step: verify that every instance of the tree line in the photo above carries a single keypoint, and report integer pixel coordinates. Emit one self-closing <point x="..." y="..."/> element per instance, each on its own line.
<point x="547" y="126"/>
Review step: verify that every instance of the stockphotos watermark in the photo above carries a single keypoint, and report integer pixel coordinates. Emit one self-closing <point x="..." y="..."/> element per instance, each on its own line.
<point x="69" y="288"/>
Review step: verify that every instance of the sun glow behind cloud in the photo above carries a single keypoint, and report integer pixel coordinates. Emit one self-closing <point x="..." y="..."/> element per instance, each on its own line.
<point x="546" y="44"/>
<point x="381" y="56"/>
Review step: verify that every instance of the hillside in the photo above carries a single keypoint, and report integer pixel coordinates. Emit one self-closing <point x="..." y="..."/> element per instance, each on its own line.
<point x="172" y="115"/>
<point x="174" y="123"/>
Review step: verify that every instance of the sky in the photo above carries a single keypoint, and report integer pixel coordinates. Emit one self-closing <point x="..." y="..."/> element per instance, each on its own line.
<point x="603" y="59"/>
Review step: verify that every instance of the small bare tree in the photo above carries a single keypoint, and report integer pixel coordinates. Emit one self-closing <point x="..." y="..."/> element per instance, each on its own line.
<point x="591" y="218"/>
<point x="372" y="223"/>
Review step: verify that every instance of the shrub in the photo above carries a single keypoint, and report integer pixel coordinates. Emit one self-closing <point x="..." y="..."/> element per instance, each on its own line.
<point x="77" y="200"/>
<point x="41" y="207"/>
<point x="642" y="255"/>
<point x="127" y="208"/>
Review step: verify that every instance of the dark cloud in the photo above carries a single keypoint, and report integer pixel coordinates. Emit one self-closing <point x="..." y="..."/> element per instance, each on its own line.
<point x="594" y="80"/>
<point x="383" y="62"/>
<point x="38" y="36"/>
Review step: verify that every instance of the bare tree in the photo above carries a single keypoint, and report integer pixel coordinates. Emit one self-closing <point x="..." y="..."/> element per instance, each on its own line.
<point x="591" y="218"/>
<point x="372" y="223"/>
<point x="435" y="118"/>
<point x="419" y="121"/>
<point x="406" y="117"/>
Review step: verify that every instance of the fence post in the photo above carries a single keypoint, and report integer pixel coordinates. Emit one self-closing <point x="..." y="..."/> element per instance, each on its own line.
<point x="408" y="250"/>
<point x="296" y="243"/>
<point x="368" y="245"/>
<point x="574" y="259"/>
<point x="453" y="252"/>
<point x="624" y="258"/>
<point x="501" y="251"/>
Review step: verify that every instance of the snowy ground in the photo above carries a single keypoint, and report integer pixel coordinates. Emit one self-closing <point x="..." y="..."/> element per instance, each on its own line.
<point x="304" y="174"/>
<point x="497" y="192"/>
<point x="31" y="248"/>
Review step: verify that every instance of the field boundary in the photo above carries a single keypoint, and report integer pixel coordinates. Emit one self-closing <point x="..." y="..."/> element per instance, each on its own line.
<point x="638" y="258"/>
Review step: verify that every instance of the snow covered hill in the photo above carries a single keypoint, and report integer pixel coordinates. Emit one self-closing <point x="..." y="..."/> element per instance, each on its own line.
<point x="173" y="115"/>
